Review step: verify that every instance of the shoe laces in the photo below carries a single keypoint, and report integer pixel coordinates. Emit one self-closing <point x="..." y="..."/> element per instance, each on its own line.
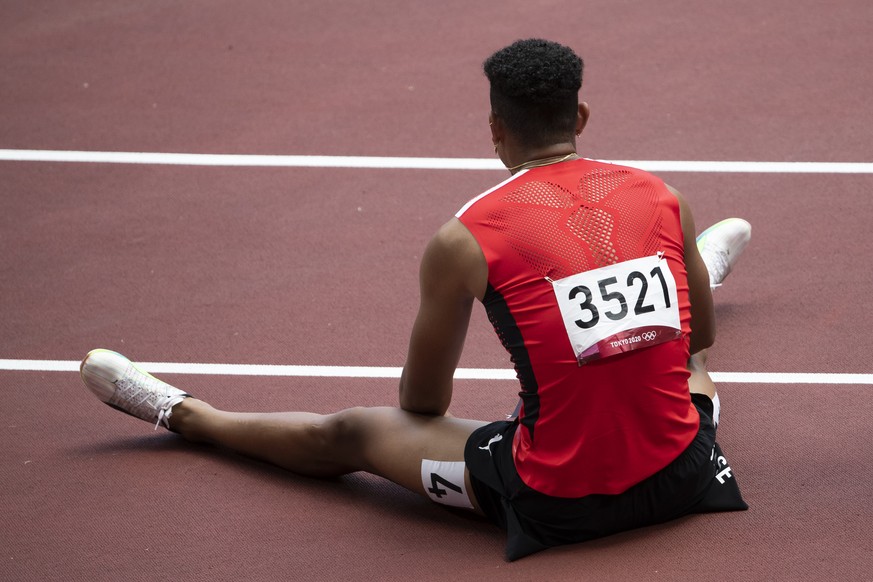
<point x="142" y="395"/>
<point x="166" y="410"/>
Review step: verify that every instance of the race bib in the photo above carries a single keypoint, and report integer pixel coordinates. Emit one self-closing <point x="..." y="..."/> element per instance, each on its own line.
<point x="619" y="308"/>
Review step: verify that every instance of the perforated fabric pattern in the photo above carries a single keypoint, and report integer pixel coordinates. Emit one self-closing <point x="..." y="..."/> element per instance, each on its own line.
<point x="541" y="194"/>
<point x="594" y="226"/>
<point x="599" y="183"/>
<point x="531" y="242"/>
<point x="638" y="198"/>
<point x="558" y="220"/>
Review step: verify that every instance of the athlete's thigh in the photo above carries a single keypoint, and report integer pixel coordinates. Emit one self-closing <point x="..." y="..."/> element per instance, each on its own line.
<point x="395" y="443"/>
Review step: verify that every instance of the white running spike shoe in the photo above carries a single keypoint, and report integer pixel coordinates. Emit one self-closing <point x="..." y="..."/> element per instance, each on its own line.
<point x="117" y="382"/>
<point x="721" y="245"/>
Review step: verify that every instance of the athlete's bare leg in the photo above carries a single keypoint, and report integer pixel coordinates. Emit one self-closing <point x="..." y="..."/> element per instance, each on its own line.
<point x="700" y="382"/>
<point x="388" y="442"/>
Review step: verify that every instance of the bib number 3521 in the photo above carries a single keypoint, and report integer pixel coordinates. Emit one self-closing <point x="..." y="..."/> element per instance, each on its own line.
<point x="619" y="308"/>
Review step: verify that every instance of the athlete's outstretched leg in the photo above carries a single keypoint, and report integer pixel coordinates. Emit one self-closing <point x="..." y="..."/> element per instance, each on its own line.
<point x="388" y="442"/>
<point x="384" y="441"/>
<point x="308" y="444"/>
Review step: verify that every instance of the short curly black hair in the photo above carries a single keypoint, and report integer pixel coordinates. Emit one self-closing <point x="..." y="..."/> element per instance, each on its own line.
<point x="535" y="89"/>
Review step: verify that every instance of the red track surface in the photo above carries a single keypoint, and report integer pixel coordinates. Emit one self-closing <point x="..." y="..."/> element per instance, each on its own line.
<point x="319" y="266"/>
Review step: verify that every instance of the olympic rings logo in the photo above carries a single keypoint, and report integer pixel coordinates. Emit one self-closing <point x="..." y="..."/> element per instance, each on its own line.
<point x="649" y="336"/>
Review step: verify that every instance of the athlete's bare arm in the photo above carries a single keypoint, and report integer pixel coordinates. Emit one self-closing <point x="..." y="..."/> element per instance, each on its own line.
<point x="453" y="273"/>
<point x="699" y="292"/>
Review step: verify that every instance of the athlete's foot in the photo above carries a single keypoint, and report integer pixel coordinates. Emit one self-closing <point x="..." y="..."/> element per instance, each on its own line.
<point x="721" y="245"/>
<point x="117" y="382"/>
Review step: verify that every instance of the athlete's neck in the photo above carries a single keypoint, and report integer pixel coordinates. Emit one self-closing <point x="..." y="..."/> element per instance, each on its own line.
<point x="542" y="157"/>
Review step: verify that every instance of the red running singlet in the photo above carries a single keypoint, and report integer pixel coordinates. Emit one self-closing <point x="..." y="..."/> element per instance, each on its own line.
<point x="611" y="421"/>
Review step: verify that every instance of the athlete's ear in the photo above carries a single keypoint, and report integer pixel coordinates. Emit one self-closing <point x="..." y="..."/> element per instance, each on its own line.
<point x="496" y="125"/>
<point x="582" y="117"/>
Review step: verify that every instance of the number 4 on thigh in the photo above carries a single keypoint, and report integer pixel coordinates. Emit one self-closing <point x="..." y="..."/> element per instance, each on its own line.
<point x="443" y="482"/>
<point x="436" y="481"/>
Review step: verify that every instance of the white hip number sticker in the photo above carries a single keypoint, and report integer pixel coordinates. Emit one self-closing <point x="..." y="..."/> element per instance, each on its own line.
<point x="443" y="481"/>
<point x="619" y="308"/>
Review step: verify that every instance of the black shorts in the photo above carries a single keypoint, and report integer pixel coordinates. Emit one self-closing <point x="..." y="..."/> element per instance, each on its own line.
<point x="698" y="480"/>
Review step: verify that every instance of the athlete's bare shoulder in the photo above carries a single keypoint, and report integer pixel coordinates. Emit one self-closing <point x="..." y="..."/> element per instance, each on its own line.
<point x="454" y="252"/>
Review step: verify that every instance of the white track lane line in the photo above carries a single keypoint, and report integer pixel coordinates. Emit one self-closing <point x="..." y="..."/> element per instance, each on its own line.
<point x="295" y="161"/>
<point x="394" y="372"/>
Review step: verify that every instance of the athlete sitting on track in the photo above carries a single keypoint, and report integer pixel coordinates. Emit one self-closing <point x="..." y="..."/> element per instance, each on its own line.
<point x="593" y="281"/>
